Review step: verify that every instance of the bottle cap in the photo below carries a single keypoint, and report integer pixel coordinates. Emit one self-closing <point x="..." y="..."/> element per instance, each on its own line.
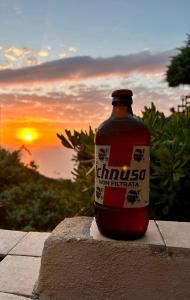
<point x="123" y="97"/>
<point x="122" y="92"/>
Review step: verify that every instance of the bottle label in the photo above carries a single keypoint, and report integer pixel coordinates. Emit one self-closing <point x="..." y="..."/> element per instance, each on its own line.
<point x="122" y="179"/>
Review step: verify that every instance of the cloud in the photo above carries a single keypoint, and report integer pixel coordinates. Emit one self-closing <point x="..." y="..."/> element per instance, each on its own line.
<point x="62" y="55"/>
<point x="10" y="57"/>
<point x="72" y="49"/>
<point x="43" y="53"/>
<point x="17" y="51"/>
<point x="85" y="102"/>
<point x="32" y="60"/>
<point x="83" y="94"/>
<point x="5" y="66"/>
<point x="85" y="67"/>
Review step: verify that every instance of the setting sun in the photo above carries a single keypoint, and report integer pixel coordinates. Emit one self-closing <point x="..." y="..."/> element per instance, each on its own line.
<point x="28" y="134"/>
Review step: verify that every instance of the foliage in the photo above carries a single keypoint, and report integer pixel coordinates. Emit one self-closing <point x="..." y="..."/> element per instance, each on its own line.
<point x="178" y="71"/>
<point x="28" y="200"/>
<point x="170" y="165"/>
<point x="83" y="145"/>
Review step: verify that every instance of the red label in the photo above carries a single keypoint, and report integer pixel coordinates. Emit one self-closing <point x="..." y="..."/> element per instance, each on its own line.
<point x="122" y="181"/>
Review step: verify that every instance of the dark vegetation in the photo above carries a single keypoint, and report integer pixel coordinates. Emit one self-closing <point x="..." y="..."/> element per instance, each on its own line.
<point x="178" y="71"/>
<point x="30" y="201"/>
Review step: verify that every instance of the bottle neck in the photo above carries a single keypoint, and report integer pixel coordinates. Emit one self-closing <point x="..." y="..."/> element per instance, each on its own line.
<point x="121" y="111"/>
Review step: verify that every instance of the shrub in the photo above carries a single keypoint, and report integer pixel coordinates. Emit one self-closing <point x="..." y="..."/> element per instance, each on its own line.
<point x="169" y="171"/>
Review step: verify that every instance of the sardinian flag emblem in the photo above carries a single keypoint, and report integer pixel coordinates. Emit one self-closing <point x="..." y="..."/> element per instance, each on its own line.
<point x="122" y="180"/>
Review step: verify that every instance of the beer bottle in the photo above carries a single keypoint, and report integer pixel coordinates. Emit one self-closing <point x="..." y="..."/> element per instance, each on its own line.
<point x="122" y="171"/>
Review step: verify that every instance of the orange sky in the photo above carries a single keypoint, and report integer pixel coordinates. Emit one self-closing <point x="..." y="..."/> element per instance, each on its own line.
<point x="46" y="131"/>
<point x="43" y="120"/>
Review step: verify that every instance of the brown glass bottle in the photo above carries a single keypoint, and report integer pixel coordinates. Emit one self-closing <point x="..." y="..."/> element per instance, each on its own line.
<point x="122" y="172"/>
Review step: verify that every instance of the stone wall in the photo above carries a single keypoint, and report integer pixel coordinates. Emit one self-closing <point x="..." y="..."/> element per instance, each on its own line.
<point x="79" y="263"/>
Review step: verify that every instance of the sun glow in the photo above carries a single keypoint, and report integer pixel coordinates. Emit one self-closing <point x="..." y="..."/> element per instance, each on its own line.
<point x="28" y="134"/>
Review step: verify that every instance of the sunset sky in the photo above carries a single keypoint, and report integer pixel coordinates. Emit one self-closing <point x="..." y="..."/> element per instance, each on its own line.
<point x="60" y="60"/>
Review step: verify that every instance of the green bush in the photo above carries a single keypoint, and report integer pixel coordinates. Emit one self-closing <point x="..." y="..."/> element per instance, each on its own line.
<point x="83" y="144"/>
<point x="28" y="200"/>
<point x="170" y="165"/>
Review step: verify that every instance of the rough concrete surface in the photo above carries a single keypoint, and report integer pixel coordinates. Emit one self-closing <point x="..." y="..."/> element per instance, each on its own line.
<point x="18" y="274"/>
<point x="8" y="239"/>
<point x="76" y="228"/>
<point x="31" y="245"/>
<point x="76" y="266"/>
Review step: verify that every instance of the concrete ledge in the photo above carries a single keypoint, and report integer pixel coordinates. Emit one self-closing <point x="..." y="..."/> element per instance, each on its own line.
<point x="79" y="263"/>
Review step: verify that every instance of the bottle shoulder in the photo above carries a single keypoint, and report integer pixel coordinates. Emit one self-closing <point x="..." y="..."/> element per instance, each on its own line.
<point x="122" y="129"/>
<point x="120" y="124"/>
